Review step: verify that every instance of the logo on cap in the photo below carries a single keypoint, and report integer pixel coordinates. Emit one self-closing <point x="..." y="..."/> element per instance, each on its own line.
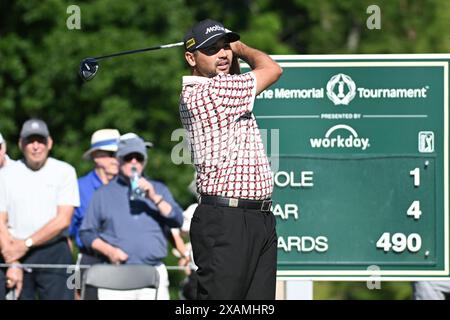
<point x="190" y="43"/>
<point x="35" y="125"/>
<point x="214" y="28"/>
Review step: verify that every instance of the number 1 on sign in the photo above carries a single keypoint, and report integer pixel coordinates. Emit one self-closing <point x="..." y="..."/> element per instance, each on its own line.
<point x="416" y="174"/>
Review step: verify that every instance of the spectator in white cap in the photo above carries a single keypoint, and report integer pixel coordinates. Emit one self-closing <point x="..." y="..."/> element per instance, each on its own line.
<point x="103" y="153"/>
<point x="37" y="207"/>
<point x="131" y="227"/>
<point x="4" y="159"/>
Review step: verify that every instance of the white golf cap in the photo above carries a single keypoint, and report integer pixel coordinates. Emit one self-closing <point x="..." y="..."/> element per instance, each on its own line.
<point x="103" y="139"/>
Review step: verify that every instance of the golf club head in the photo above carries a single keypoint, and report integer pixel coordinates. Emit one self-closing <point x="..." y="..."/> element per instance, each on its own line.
<point x="88" y="68"/>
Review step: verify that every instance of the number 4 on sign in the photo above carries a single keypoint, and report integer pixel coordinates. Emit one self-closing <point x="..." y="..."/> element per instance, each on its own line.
<point x="414" y="210"/>
<point x="384" y="242"/>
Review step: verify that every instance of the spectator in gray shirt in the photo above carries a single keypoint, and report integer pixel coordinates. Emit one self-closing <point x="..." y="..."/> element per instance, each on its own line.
<point x="132" y="230"/>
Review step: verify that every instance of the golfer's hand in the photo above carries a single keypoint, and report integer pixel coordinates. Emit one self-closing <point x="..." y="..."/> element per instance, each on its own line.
<point x="14" y="279"/>
<point x="236" y="47"/>
<point x="117" y="256"/>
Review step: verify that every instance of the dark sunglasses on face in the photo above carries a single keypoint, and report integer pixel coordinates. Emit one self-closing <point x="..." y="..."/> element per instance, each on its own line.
<point x="212" y="50"/>
<point x="129" y="157"/>
<point x="32" y="139"/>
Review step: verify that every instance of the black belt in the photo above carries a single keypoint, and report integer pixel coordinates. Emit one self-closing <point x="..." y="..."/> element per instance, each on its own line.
<point x="262" y="205"/>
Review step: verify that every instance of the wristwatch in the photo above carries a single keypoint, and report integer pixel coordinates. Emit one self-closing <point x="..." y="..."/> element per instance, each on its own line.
<point x="29" y="243"/>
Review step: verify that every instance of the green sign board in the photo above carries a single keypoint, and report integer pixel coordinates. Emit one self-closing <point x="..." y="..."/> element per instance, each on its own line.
<point x="359" y="149"/>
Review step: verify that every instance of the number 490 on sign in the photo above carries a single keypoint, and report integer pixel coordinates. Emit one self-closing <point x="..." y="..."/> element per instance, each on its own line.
<point x="399" y="242"/>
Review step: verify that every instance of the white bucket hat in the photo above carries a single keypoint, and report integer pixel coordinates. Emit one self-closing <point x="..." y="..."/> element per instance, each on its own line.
<point x="103" y="139"/>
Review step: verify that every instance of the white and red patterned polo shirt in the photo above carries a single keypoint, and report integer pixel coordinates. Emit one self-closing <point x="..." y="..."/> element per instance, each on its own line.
<point x="225" y="142"/>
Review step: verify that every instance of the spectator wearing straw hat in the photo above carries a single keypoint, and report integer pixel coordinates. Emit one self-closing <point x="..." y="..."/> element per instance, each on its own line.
<point x="103" y="153"/>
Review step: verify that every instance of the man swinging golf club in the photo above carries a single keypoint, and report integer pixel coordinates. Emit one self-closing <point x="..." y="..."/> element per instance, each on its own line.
<point x="233" y="230"/>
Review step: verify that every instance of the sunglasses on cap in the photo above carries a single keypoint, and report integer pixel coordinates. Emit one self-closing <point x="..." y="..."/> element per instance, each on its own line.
<point x="129" y="157"/>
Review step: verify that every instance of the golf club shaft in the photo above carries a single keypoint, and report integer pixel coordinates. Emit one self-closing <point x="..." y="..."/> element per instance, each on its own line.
<point x="177" y="44"/>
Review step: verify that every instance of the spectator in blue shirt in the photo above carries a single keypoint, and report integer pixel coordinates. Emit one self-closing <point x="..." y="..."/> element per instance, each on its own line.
<point x="132" y="230"/>
<point x="103" y="153"/>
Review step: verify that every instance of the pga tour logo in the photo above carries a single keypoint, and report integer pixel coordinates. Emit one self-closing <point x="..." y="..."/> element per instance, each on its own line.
<point x="350" y="140"/>
<point x="426" y="141"/>
<point x="341" y="89"/>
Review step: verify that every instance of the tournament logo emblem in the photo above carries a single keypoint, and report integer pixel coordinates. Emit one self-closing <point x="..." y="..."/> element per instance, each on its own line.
<point x="346" y="89"/>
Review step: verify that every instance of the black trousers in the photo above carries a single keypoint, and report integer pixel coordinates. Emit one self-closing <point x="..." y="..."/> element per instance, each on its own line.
<point x="44" y="284"/>
<point x="236" y="252"/>
<point x="2" y="281"/>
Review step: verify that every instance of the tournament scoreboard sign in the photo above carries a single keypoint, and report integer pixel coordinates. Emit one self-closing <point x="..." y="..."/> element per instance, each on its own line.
<point x="359" y="149"/>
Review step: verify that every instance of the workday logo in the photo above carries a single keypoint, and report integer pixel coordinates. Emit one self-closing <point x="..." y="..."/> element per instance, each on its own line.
<point x="351" y="140"/>
<point x="345" y="92"/>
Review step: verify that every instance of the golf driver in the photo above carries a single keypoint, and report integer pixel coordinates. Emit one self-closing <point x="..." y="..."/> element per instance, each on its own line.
<point x="89" y="66"/>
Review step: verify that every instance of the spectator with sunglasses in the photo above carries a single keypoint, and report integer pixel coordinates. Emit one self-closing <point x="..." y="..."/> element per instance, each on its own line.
<point x="132" y="231"/>
<point x="37" y="198"/>
<point x="234" y="178"/>
<point x="103" y="153"/>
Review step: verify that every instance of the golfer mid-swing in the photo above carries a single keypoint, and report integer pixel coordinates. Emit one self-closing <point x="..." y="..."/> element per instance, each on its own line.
<point x="233" y="230"/>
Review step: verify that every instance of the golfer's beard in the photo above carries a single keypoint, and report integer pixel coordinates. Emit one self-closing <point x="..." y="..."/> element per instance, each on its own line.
<point x="212" y="74"/>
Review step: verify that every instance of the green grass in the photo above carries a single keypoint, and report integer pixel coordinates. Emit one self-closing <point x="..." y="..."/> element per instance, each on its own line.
<point x="326" y="290"/>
